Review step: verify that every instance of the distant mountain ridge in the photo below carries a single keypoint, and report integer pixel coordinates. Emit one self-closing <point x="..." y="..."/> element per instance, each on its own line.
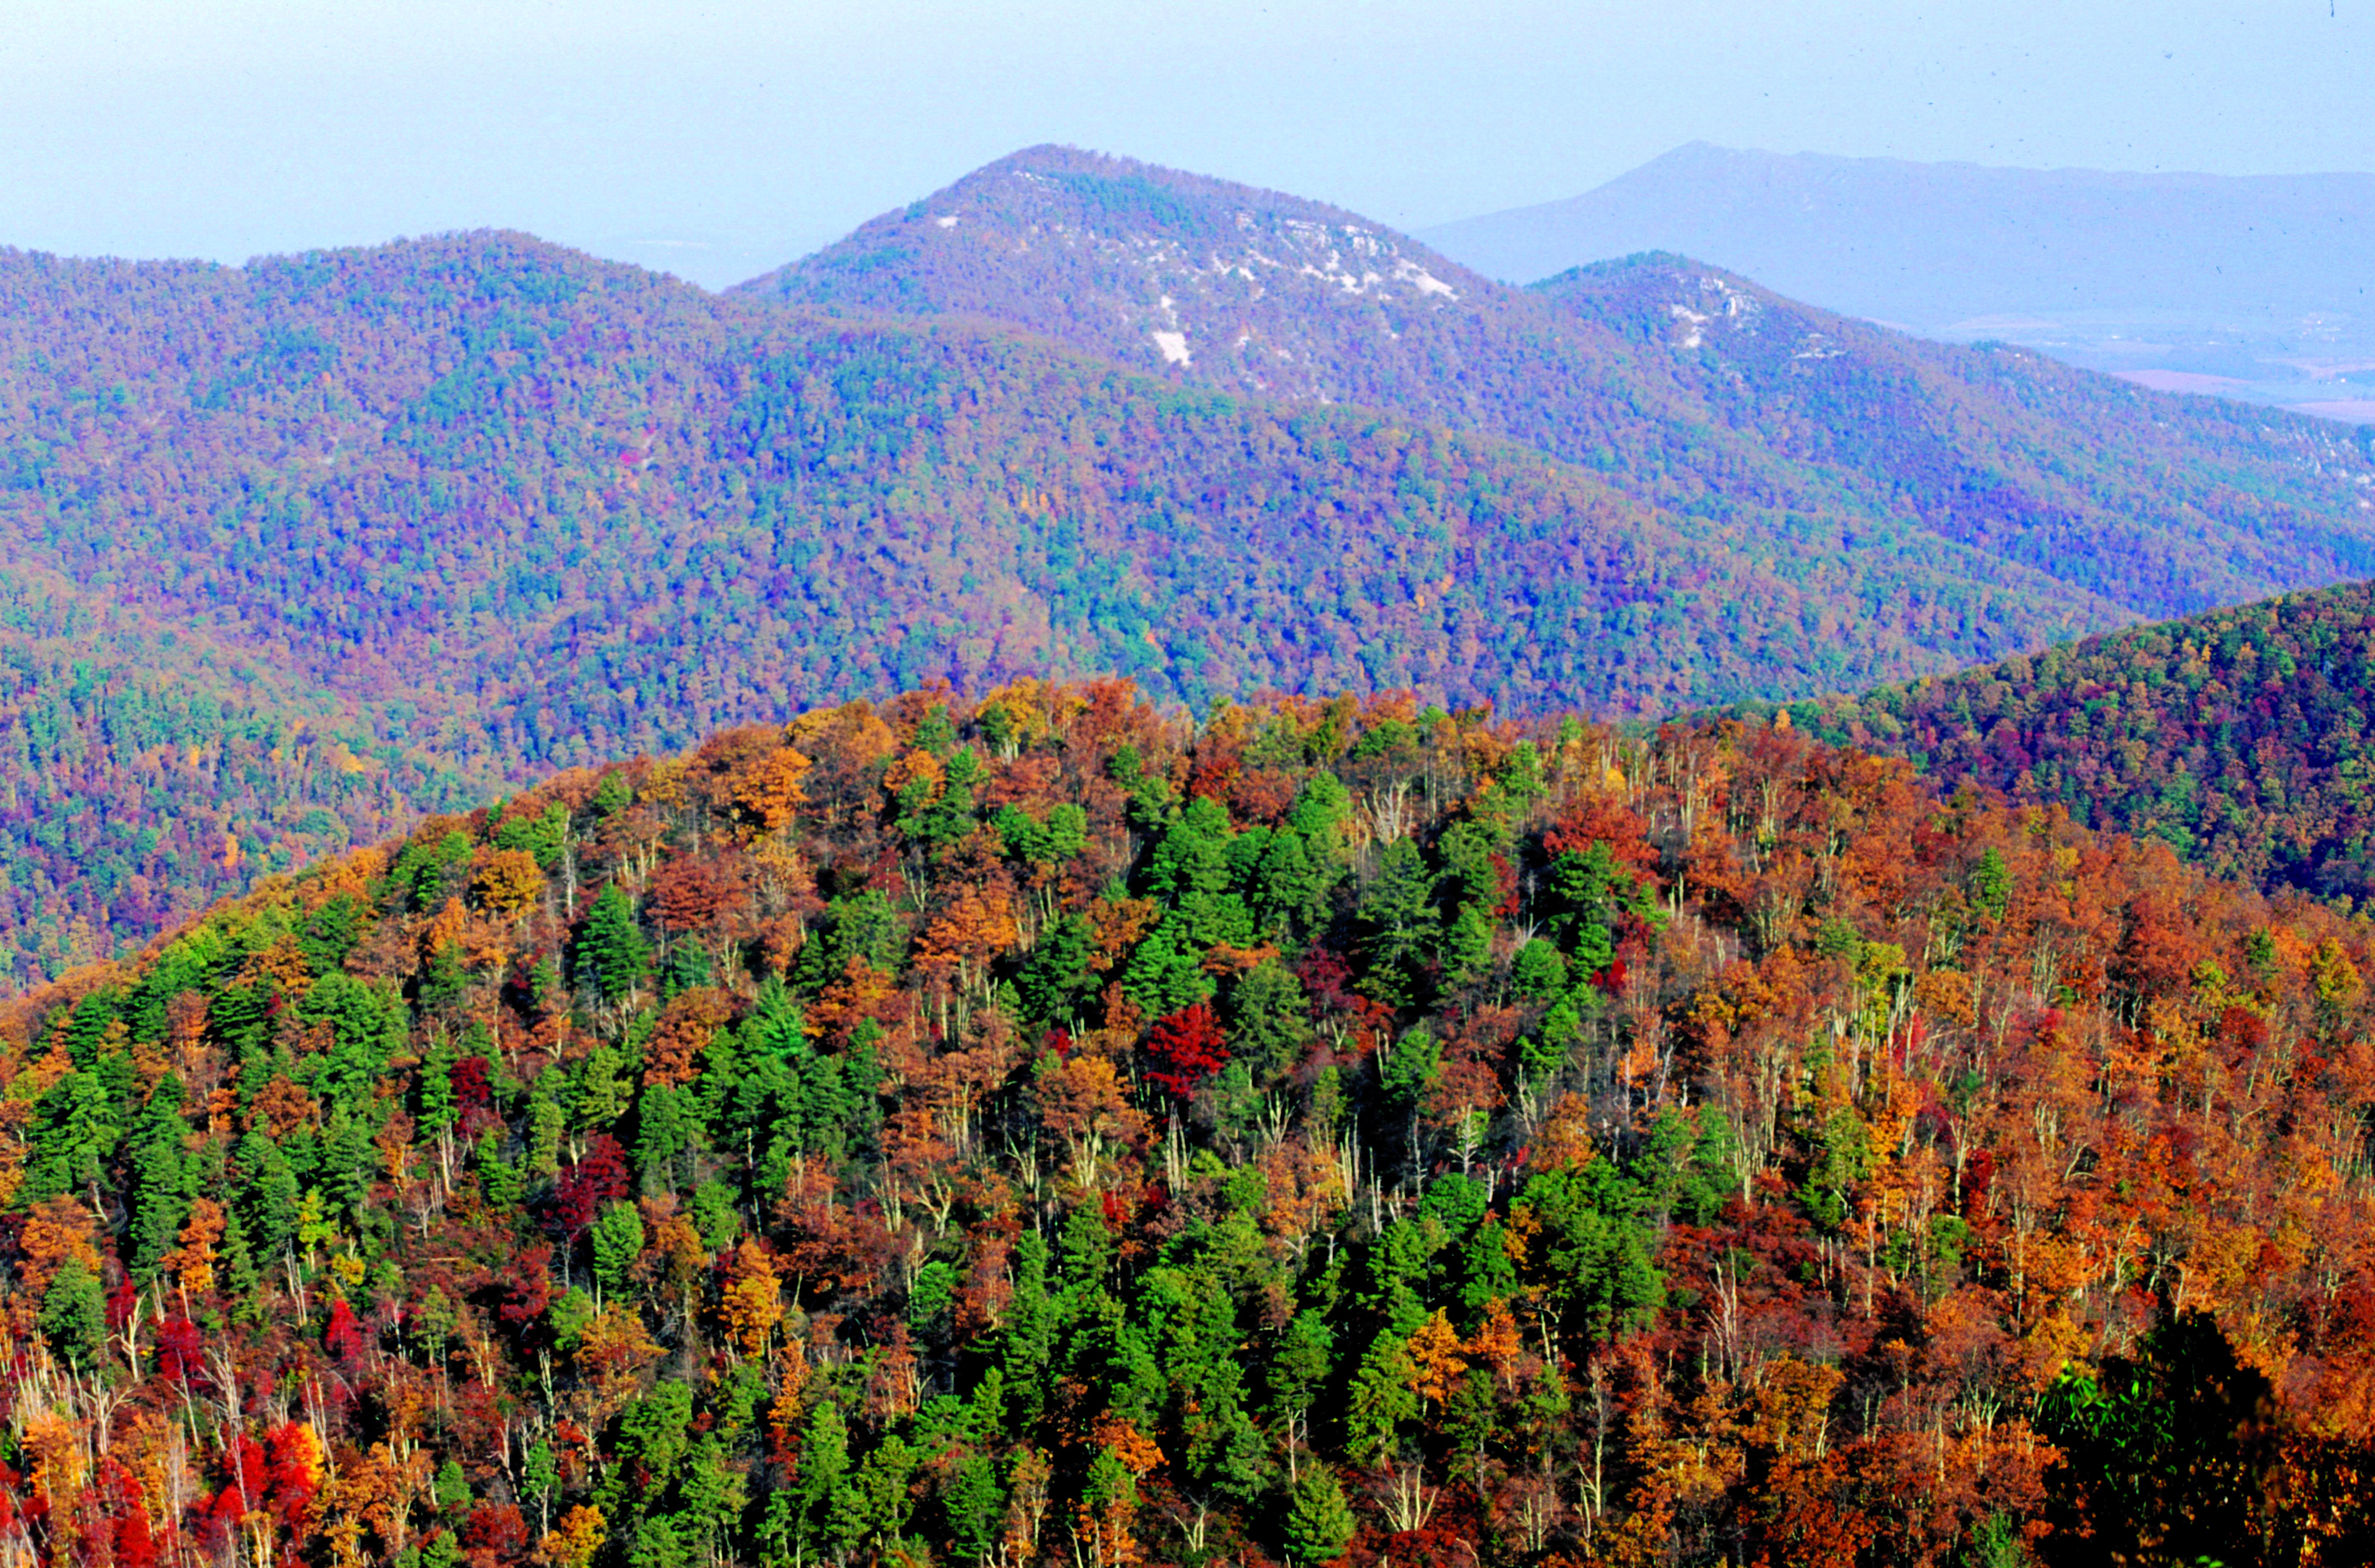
<point x="2214" y="272"/>
<point x="476" y="507"/>
<point x="1152" y="267"/>
<point x="1251" y="292"/>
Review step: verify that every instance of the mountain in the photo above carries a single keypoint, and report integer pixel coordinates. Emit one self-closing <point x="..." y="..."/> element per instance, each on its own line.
<point x="145" y="772"/>
<point x="1798" y="431"/>
<point x="2239" y="737"/>
<point x="2258" y="280"/>
<point x="1040" y="1130"/>
<point x="392" y="530"/>
<point x="476" y="506"/>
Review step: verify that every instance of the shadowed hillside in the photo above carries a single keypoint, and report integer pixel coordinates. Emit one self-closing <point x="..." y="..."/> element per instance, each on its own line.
<point x="2239" y="737"/>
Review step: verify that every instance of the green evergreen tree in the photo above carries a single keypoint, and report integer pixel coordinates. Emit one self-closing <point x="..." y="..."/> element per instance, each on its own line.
<point x="1268" y="1016"/>
<point x="1288" y="888"/>
<point x="1319" y="1522"/>
<point x="268" y="1195"/>
<point x="161" y="1199"/>
<point x="350" y="1165"/>
<point x="236" y="1275"/>
<point x="1027" y="1338"/>
<point x="1055" y="982"/>
<point x="499" y="1180"/>
<point x="1383" y="1400"/>
<point x="1467" y="945"/>
<point x="1166" y="974"/>
<point x="664" y="1134"/>
<point x="1465" y="850"/>
<point x="73" y="1315"/>
<point x="613" y="959"/>
<point x="1397" y="927"/>
<point x="687" y="968"/>
<point x="617" y="1236"/>
<point x="822" y="1504"/>
<point x="1321" y="813"/>
<point x="76" y="1131"/>
<point x="714" y="1493"/>
<point x="972" y="1506"/>
<point x="434" y="1094"/>
<point x="1539" y="971"/>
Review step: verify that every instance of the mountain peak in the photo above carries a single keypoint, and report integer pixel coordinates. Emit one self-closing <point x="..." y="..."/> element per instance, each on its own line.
<point x="1166" y="272"/>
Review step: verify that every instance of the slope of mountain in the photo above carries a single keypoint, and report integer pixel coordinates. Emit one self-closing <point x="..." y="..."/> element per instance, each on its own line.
<point x="485" y="505"/>
<point x="2241" y="737"/>
<point x="2259" y="279"/>
<point x="474" y="505"/>
<point x="2102" y="485"/>
<point x="1038" y="1132"/>
<point x="145" y="772"/>
<point x="1981" y="460"/>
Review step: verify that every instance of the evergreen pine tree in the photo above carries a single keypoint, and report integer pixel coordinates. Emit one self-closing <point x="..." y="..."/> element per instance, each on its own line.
<point x="613" y="957"/>
<point x="73" y="1315"/>
<point x="160" y="1194"/>
<point x="1028" y="1333"/>
<point x="1398" y="925"/>
<point x="268" y="1195"/>
<point x="1319" y="1522"/>
<point x="617" y="1240"/>
<point x="821" y="1492"/>
<point x="974" y="1504"/>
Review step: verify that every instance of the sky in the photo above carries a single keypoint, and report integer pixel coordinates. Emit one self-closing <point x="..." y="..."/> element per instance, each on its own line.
<point x="717" y="140"/>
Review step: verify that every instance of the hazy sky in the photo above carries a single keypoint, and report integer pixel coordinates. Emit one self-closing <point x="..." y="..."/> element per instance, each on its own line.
<point x="715" y="140"/>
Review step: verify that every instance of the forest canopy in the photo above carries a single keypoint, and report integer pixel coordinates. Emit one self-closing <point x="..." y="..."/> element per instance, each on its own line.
<point x="1032" y="1129"/>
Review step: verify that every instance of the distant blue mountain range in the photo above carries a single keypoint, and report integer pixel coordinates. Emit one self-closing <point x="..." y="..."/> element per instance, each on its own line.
<point x="2257" y="287"/>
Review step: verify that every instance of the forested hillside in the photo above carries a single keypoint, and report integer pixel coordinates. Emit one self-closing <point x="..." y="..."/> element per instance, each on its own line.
<point x="2237" y="738"/>
<point x="1682" y="385"/>
<point x="482" y="506"/>
<point x="2100" y="484"/>
<point x="1032" y="1131"/>
<point x="145" y="772"/>
<point x="379" y="530"/>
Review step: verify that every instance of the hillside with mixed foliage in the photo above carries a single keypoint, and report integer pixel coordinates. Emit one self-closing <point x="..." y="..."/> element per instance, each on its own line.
<point x="1033" y="1131"/>
<point x="1682" y="385"/>
<point x="479" y="508"/>
<point x="373" y="533"/>
<point x="2238" y="738"/>
<point x="145" y="772"/>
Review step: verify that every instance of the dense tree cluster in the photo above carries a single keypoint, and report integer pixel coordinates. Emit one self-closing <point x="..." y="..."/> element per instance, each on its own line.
<point x="2238" y="738"/>
<point x="143" y="774"/>
<point x="1034" y="1130"/>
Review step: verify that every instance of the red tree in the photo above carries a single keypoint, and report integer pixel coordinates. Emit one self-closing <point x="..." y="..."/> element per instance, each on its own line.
<point x="1185" y="1049"/>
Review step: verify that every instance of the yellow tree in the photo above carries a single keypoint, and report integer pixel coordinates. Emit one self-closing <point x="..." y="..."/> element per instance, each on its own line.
<point x="1434" y="1353"/>
<point x="752" y="1304"/>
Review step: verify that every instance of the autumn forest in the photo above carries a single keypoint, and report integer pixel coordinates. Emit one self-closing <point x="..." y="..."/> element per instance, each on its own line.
<point x="1035" y="1129"/>
<point x="1127" y="875"/>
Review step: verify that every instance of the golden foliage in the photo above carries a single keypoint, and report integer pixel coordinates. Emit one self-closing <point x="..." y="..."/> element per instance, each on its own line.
<point x="509" y="882"/>
<point x="752" y="1301"/>
<point x="574" y="1545"/>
